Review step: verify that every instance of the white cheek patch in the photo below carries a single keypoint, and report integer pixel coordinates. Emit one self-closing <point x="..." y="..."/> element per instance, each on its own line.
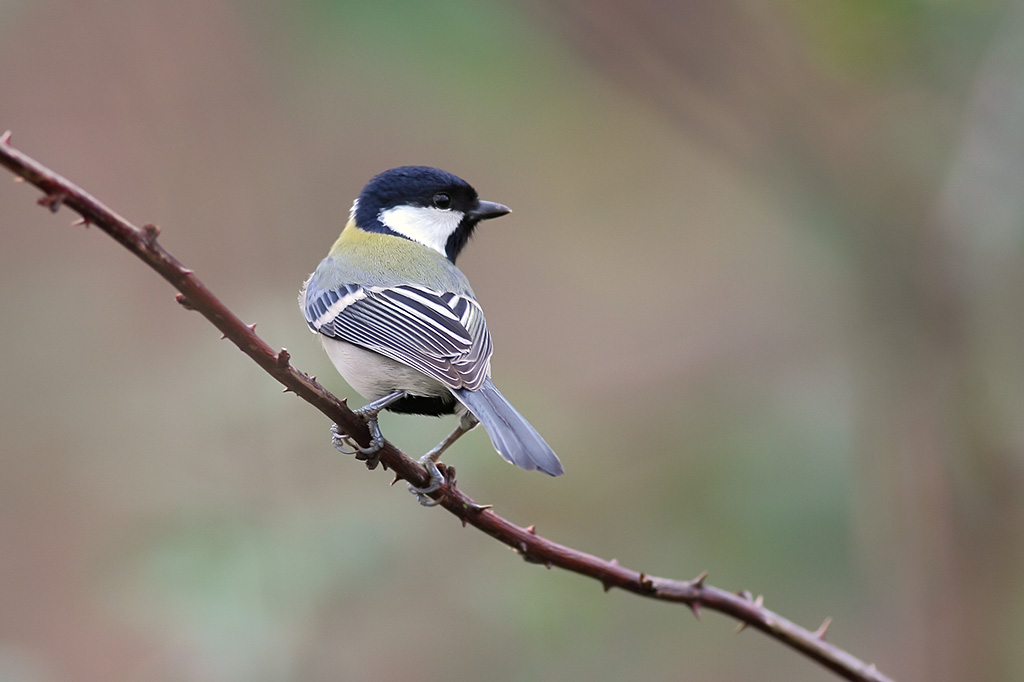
<point x="428" y="226"/>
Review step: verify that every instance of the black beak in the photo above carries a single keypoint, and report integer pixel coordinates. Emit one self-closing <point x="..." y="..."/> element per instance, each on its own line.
<point x="488" y="209"/>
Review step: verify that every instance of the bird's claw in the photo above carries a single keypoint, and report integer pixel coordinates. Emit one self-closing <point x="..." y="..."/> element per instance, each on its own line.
<point x="376" y="437"/>
<point x="342" y="442"/>
<point x="436" y="481"/>
<point x="369" y="412"/>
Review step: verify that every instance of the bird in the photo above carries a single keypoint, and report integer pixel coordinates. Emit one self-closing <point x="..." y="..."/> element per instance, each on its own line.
<point x="400" y="322"/>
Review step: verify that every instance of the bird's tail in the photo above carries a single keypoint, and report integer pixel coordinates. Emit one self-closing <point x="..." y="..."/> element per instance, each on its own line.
<point x="511" y="435"/>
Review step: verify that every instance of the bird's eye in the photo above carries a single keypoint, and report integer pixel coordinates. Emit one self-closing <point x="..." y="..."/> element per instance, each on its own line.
<point x="442" y="200"/>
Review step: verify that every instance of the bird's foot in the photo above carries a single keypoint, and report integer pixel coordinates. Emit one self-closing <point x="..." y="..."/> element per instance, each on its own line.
<point x="342" y="442"/>
<point x="345" y="444"/>
<point x="435" y="483"/>
<point x="429" y="460"/>
<point x="369" y="415"/>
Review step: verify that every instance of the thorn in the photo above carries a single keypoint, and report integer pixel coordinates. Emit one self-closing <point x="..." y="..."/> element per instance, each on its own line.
<point x="531" y="529"/>
<point x="698" y="582"/>
<point x="185" y="303"/>
<point x="5" y="139"/>
<point x="18" y="178"/>
<point x="223" y="336"/>
<point x="820" y="632"/>
<point x="613" y="561"/>
<point x="251" y="327"/>
<point x="479" y="508"/>
<point x="523" y="549"/>
<point x="695" y="607"/>
<point x="81" y="222"/>
<point x="465" y="521"/>
<point x="149" y="233"/>
<point x="51" y="201"/>
<point x="286" y="390"/>
<point x="397" y="479"/>
<point x="759" y="602"/>
<point x="607" y="585"/>
<point x="646" y="582"/>
<point x="283" y="357"/>
<point x="739" y="628"/>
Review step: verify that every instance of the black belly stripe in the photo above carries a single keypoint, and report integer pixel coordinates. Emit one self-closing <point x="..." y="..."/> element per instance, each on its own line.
<point x="418" y="404"/>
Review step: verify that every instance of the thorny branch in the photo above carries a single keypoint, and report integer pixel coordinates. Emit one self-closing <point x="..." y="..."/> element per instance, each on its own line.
<point x="696" y="594"/>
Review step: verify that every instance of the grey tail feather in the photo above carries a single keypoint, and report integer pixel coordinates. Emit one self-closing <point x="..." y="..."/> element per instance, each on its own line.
<point x="511" y="435"/>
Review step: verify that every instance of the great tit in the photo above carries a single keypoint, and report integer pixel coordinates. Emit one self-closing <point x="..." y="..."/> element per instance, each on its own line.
<point x="400" y="322"/>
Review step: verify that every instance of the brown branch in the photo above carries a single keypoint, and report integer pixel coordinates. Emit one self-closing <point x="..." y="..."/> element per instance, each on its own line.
<point x="194" y="295"/>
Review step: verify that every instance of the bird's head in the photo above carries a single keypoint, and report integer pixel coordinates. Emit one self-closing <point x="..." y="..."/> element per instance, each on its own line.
<point x="427" y="205"/>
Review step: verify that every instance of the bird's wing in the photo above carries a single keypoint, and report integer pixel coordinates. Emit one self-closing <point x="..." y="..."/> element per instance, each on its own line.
<point x="442" y="334"/>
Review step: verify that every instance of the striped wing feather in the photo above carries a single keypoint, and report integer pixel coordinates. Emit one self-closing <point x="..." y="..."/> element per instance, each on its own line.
<point x="442" y="334"/>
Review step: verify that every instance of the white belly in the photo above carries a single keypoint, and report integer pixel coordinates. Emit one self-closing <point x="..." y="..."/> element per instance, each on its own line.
<point x="375" y="376"/>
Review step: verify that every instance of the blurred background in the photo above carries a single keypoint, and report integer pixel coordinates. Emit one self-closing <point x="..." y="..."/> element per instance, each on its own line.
<point x="761" y="291"/>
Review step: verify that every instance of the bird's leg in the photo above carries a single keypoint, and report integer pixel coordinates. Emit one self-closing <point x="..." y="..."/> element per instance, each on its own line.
<point x="466" y="424"/>
<point x="369" y="414"/>
<point x="429" y="461"/>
